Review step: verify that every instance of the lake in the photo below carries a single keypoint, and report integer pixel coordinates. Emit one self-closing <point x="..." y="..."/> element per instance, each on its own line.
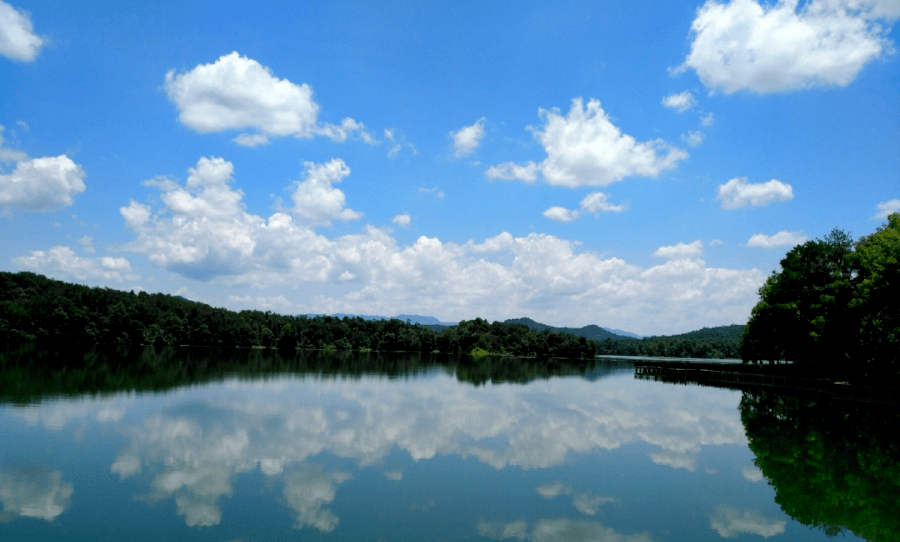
<point x="423" y="452"/>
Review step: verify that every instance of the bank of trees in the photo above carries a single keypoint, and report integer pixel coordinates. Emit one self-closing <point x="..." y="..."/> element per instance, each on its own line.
<point x="711" y="343"/>
<point x="833" y="305"/>
<point x="34" y="308"/>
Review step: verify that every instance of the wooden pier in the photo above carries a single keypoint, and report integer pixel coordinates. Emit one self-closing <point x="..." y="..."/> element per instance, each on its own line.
<point x="750" y="376"/>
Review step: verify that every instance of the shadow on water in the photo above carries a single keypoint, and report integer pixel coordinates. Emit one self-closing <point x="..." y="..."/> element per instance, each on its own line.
<point x="29" y="373"/>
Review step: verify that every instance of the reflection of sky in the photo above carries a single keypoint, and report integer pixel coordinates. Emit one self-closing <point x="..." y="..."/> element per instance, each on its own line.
<point x="33" y="492"/>
<point x="188" y="447"/>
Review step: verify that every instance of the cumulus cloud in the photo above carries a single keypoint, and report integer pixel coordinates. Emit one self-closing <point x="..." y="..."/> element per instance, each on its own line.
<point x="61" y="262"/>
<point x="730" y="523"/>
<point x="783" y="46"/>
<point x="594" y="203"/>
<point x="886" y="208"/>
<point x="467" y="138"/>
<point x="499" y="530"/>
<point x="17" y="38"/>
<point x="680" y="251"/>
<point x="738" y="193"/>
<point x="680" y="102"/>
<point x="586" y="149"/>
<point x="238" y="93"/>
<point x="316" y="201"/>
<point x="402" y="220"/>
<point x="508" y="171"/>
<point x="33" y="493"/>
<point x="42" y="184"/>
<point x="561" y="214"/>
<point x="781" y="239"/>
<point x="203" y="231"/>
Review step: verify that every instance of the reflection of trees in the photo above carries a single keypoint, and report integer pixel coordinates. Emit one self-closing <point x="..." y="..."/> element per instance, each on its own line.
<point x="834" y="465"/>
<point x="28" y="373"/>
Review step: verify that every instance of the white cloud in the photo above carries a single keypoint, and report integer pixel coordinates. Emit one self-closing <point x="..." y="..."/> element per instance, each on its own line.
<point x="778" y="47"/>
<point x="17" y="38"/>
<point x="716" y="242"/>
<point x="730" y="523"/>
<point x="62" y="262"/>
<point x="468" y="138"/>
<point x="204" y="231"/>
<point x="508" y="171"/>
<point x="251" y="140"/>
<point x="433" y="190"/>
<point x="680" y="251"/>
<point x="402" y="220"/>
<point x="595" y="203"/>
<point x="316" y="201"/>
<point x="738" y="193"/>
<point x="561" y="214"/>
<point x="692" y="138"/>
<point x="33" y="492"/>
<point x="783" y="238"/>
<point x="394" y="475"/>
<point x="586" y="149"/>
<point x="886" y="208"/>
<point x="9" y="155"/>
<point x="42" y="184"/>
<point x="557" y="530"/>
<point x="237" y="93"/>
<point x="708" y="120"/>
<point x="680" y="102"/>
<point x="87" y="243"/>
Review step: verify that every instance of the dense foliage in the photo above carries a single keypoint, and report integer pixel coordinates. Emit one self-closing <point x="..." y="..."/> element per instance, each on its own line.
<point x="834" y="465"/>
<point x="833" y="305"/>
<point x="35" y="308"/>
<point x="715" y="343"/>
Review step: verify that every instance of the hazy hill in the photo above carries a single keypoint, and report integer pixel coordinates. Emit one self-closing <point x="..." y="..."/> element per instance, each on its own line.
<point x="596" y="333"/>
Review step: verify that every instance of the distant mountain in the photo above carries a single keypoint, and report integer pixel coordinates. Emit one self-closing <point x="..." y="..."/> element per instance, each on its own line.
<point x="596" y="333"/>
<point x="413" y="318"/>
<point x="623" y="333"/>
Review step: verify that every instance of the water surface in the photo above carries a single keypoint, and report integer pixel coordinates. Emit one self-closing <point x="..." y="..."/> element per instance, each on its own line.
<point x="425" y="456"/>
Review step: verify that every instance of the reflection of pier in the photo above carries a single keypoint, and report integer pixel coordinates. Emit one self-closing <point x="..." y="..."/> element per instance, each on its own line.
<point x="750" y="376"/>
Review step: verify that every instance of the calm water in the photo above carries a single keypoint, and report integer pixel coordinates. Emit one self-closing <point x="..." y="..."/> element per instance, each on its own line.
<point x="424" y="456"/>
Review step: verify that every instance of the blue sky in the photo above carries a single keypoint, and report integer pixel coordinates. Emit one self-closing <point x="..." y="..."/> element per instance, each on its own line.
<point x="643" y="167"/>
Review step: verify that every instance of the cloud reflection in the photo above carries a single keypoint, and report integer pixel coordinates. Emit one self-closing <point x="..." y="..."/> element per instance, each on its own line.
<point x="33" y="492"/>
<point x="193" y="445"/>
<point x="729" y="523"/>
<point x="557" y="530"/>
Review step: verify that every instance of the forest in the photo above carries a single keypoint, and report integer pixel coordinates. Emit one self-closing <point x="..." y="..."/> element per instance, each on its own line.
<point x="34" y="308"/>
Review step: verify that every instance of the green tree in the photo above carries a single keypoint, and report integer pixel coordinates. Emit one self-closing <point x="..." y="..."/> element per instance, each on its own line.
<point x="832" y="305"/>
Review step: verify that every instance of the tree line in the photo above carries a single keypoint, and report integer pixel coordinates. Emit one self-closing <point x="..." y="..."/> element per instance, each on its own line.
<point x="34" y="308"/>
<point x="709" y="343"/>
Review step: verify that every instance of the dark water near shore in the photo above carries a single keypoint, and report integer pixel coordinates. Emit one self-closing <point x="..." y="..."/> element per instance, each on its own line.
<point x="446" y="452"/>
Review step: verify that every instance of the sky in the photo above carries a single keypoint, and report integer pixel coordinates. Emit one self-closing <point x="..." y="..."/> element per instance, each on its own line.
<point x="637" y="165"/>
